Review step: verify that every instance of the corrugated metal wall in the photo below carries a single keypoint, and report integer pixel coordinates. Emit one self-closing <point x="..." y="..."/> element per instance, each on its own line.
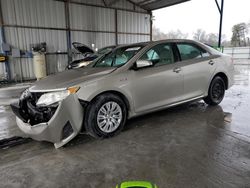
<point x="45" y="13"/>
<point x="93" y="20"/>
<point x="136" y="23"/>
<point x="33" y="21"/>
<point x="34" y="13"/>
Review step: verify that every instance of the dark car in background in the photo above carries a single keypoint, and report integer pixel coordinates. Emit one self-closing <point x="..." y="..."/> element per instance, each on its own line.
<point x="88" y="55"/>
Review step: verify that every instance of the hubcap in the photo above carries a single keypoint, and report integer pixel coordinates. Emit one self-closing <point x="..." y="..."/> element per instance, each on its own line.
<point x="218" y="91"/>
<point x="109" y="117"/>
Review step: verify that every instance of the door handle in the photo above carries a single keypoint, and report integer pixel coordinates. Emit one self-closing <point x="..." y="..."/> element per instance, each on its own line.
<point x="211" y="62"/>
<point x="177" y="70"/>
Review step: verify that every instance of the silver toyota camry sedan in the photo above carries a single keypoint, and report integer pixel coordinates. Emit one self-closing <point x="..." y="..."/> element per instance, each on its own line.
<point x="129" y="81"/>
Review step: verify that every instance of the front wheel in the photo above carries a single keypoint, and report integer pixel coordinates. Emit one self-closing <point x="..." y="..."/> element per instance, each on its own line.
<point x="105" y="116"/>
<point x="216" y="91"/>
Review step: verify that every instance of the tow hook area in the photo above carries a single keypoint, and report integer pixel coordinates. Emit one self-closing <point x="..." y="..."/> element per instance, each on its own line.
<point x="13" y="141"/>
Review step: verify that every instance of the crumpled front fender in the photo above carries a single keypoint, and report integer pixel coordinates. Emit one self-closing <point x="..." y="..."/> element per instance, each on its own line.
<point x="64" y="125"/>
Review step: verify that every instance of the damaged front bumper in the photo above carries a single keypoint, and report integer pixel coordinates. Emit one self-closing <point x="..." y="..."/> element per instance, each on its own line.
<point x="62" y="125"/>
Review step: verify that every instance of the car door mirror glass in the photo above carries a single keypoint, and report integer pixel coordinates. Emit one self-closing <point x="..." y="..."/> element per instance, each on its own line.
<point x="143" y="63"/>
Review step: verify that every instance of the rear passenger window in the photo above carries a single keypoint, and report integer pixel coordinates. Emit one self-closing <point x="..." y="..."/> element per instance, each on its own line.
<point x="189" y="51"/>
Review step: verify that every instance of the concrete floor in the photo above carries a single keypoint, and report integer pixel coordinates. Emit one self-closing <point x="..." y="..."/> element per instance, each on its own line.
<point x="192" y="145"/>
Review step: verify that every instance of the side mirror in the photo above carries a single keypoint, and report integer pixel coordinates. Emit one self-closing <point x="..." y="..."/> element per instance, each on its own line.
<point x="143" y="63"/>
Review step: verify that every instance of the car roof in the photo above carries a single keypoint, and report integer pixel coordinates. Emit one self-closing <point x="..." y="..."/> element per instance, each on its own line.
<point x="143" y="44"/>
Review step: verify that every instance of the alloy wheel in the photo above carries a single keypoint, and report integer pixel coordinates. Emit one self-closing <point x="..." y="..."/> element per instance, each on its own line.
<point x="109" y="117"/>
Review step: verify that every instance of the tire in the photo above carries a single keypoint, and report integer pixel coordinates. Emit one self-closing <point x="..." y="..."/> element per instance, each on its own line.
<point x="95" y="117"/>
<point x="216" y="91"/>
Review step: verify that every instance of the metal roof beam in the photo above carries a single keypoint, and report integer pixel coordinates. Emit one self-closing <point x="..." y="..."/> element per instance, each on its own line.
<point x="219" y="9"/>
<point x="111" y="3"/>
<point x="105" y="4"/>
<point x="144" y="2"/>
<point x="153" y="4"/>
<point x="147" y="5"/>
<point x="136" y="4"/>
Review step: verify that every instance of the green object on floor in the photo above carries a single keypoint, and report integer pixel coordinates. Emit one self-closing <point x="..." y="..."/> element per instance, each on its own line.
<point x="136" y="184"/>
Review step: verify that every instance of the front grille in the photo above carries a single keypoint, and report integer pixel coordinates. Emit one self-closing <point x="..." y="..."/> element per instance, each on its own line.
<point x="33" y="114"/>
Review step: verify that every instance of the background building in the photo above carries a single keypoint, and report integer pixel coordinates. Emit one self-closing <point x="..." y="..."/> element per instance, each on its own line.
<point x="59" y="23"/>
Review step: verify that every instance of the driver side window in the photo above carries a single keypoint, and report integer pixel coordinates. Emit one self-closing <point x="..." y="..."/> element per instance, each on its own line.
<point x="160" y="54"/>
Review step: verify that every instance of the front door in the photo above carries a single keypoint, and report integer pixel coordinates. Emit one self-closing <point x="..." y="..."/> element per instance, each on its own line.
<point x="159" y="84"/>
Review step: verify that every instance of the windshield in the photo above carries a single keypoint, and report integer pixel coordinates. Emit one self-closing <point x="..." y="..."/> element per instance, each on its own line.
<point x="118" y="57"/>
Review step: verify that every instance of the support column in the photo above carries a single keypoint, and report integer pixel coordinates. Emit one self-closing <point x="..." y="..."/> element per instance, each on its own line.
<point x="68" y="31"/>
<point x="116" y="27"/>
<point x="151" y="26"/>
<point x="7" y="65"/>
<point x="220" y="8"/>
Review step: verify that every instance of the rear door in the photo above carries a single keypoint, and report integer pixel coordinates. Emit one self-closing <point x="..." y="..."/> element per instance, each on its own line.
<point x="159" y="84"/>
<point x="197" y="66"/>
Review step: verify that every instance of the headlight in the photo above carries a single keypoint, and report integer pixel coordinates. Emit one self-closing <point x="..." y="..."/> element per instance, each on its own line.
<point x="84" y="63"/>
<point x="54" y="97"/>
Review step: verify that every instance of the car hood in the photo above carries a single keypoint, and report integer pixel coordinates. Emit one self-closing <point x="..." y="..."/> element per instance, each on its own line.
<point x="69" y="78"/>
<point x="82" y="48"/>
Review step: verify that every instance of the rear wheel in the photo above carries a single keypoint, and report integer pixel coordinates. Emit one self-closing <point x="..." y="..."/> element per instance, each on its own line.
<point x="216" y="91"/>
<point x="105" y="116"/>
